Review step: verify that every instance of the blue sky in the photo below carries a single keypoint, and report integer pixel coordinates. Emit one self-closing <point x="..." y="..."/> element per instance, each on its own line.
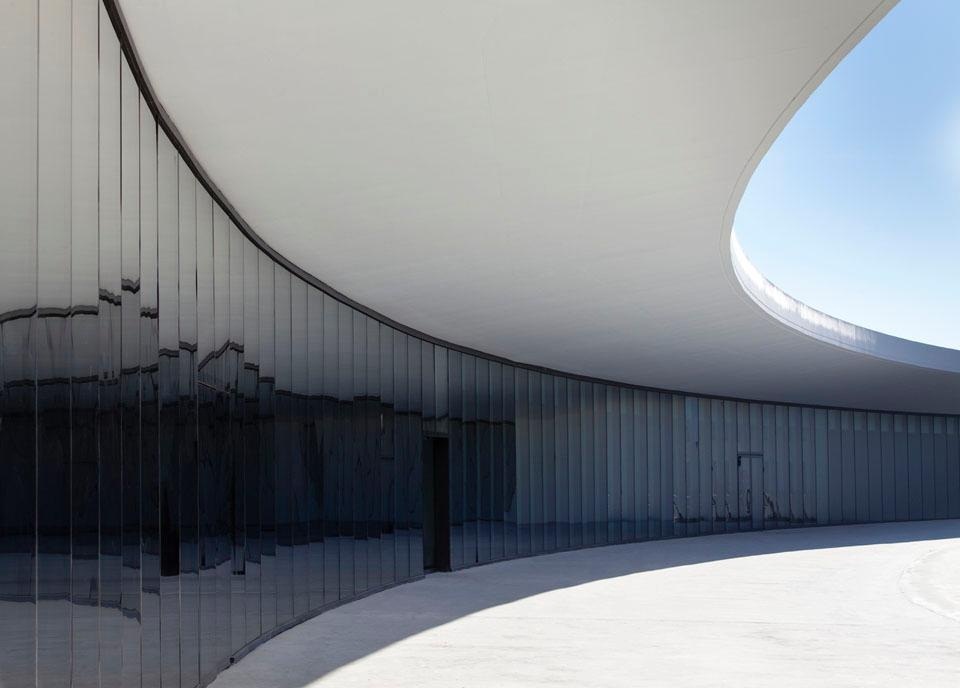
<point x="855" y="209"/>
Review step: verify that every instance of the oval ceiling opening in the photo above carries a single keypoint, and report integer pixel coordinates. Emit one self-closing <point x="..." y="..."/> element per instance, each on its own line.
<point x="855" y="210"/>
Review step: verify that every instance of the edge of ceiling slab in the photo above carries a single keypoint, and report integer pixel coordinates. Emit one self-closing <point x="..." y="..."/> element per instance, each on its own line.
<point x="754" y="288"/>
<point x="789" y="312"/>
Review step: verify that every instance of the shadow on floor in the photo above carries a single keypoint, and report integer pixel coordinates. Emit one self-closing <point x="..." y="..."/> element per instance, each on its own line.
<point x="344" y="635"/>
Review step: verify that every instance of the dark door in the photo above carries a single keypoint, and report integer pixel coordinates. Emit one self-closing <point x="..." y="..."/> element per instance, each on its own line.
<point x="436" y="504"/>
<point x="750" y="488"/>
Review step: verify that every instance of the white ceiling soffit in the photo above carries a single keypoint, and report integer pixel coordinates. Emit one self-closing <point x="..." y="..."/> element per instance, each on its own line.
<point x="553" y="182"/>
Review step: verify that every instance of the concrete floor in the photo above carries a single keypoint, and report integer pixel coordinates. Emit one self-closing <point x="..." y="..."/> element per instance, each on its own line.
<point x="872" y="605"/>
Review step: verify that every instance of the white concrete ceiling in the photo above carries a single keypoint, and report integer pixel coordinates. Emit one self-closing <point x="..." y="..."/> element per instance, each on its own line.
<point x="550" y="181"/>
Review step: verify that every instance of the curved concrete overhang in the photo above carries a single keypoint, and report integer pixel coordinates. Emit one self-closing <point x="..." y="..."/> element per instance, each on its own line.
<point x="552" y="184"/>
<point x="825" y="327"/>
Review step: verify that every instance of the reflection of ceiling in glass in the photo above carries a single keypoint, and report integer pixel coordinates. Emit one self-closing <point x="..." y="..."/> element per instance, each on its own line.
<point x="855" y="209"/>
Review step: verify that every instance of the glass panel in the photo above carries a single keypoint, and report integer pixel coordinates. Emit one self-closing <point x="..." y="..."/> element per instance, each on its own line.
<point x="457" y="475"/>
<point x="902" y="466"/>
<point x="940" y="467"/>
<point x="848" y="468"/>
<point x="783" y="466"/>
<point x="169" y="395"/>
<point x="666" y="465"/>
<point x="373" y="452"/>
<point x="484" y="459"/>
<point x="149" y="407"/>
<point x="861" y="467"/>
<point x="222" y="531"/>
<point x="796" y="465"/>
<point x="611" y="411"/>
<point x="523" y="461"/>
<point x="388" y="492"/>
<point x="575" y="451"/>
<point x="414" y="477"/>
<point x="576" y="462"/>
<point x="834" y="467"/>
<point x="251" y="435"/>
<point x="284" y="444"/>
<point x="330" y="451"/>
<point x="236" y="519"/>
<point x="641" y="468"/>
<point x="600" y="463"/>
<point x="771" y="502"/>
<point x="627" y="464"/>
<point x="210" y="442"/>
<point x="747" y="432"/>
<point x="509" y="461"/>
<point x="718" y="496"/>
<point x="18" y="328"/>
<point x="888" y="462"/>
<point x="757" y="443"/>
<point x="497" y="459"/>
<point x="471" y="474"/>
<point x="927" y="472"/>
<point x="809" y="466"/>
<point x="654" y="489"/>
<point x="731" y="440"/>
<point x="703" y="448"/>
<point x="85" y="576"/>
<point x="549" y="463"/>
<point x="588" y="467"/>
<point x="109" y="417"/>
<point x="359" y="451"/>
<point x="823" y="475"/>
<point x="130" y="375"/>
<point x="875" y="467"/>
<point x="314" y="425"/>
<point x="187" y="429"/>
<point x="679" y="465"/>
<point x="691" y="514"/>
<point x="562" y="472"/>
<point x="346" y="452"/>
<point x="53" y="353"/>
<point x="268" y="464"/>
<point x="953" y="467"/>
<point x="401" y="392"/>
<point x="299" y="479"/>
<point x="535" y="401"/>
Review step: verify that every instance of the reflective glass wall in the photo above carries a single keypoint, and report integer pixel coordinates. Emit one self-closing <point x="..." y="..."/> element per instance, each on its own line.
<point x="199" y="447"/>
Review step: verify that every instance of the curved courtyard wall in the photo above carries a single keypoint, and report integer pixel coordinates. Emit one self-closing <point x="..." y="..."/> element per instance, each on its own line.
<point x="200" y="446"/>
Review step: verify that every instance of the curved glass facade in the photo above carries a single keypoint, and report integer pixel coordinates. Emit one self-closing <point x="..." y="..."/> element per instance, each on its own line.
<point x="199" y="447"/>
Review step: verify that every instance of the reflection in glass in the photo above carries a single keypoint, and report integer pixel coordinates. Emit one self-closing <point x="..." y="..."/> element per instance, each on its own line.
<point x="222" y="447"/>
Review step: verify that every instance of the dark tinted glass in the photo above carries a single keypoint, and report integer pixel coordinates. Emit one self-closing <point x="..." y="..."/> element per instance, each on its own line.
<point x="149" y="406"/>
<point x="457" y="474"/>
<point x="471" y="469"/>
<point x="388" y="483"/>
<point x="299" y="475"/>
<point x="549" y="468"/>
<point x="347" y="454"/>
<point x="252" y="459"/>
<point x="53" y="349"/>
<point x="220" y="447"/>
<point x="313" y="439"/>
<point x="210" y="437"/>
<point x="330" y="447"/>
<point x="413" y="480"/>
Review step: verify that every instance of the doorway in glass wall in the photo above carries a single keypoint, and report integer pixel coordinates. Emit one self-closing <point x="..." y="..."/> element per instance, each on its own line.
<point x="436" y="504"/>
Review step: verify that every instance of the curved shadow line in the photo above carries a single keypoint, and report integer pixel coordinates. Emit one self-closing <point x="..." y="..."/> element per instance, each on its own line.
<point x="332" y="641"/>
<point x="760" y="293"/>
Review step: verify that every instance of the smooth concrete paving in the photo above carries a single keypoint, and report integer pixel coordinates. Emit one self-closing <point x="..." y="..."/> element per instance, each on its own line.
<point x="873" y="605"/>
